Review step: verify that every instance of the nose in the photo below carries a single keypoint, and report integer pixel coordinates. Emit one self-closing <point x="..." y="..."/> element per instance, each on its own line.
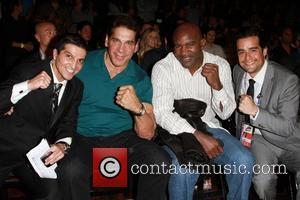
<point x="121" y="47"/>
<point x="183" y="50"/>
<point x="247" y="56"/>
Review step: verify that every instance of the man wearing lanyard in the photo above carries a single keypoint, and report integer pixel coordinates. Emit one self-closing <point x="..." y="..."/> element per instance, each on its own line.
<point x="272" y="111"/>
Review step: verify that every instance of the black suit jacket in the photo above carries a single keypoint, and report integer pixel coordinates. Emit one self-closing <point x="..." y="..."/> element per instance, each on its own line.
<point x="31" y="120"/>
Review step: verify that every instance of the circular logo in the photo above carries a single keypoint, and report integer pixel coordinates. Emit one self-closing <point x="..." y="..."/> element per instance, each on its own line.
<point x="110" y="167"/>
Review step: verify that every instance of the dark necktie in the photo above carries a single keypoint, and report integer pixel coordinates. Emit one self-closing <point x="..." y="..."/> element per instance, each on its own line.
<point x="250" y="92"/>
<point x="56" y="89"/>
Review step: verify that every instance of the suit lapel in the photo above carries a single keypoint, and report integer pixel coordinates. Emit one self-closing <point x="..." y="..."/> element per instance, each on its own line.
<point x="267" y="86"/>
<point x="63" y="102"/>
<point x="239" y="83"/>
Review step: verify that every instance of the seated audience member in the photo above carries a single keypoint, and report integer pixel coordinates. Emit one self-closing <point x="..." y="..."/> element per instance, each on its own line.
<point x="44" y="33"/>
<point x="115" y="111"/>
<point x="150" y="39"/>
<point x="15" y="35"/>
<point x="210" y="47"/>
<point x="40" y="100"/>
<point x="189" y="72"/>
<point x="85" y="30"/>
<point x="285" y="53"/>
<point x="268" y="96"/>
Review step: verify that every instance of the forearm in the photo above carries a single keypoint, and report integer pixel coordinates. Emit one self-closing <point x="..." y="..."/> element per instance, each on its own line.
<point x="223" y="103"/>
<point x="145" y="125"/>
<point x="277" y="124"/>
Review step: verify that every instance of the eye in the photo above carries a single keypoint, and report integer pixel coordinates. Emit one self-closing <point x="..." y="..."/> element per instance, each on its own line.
<point x="81" y="61"/>
<point x="176" y="46"/>
<point x="130" y="43"/>
<point x="240" y="53"/>
<point x="190" y="44"/>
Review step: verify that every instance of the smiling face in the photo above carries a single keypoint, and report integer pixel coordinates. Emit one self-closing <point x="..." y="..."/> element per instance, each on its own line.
<point x="188" y="45"/>
<point x="68" y="62"/>
<point x="121" y="46"/>
<point x="250" y="54"/>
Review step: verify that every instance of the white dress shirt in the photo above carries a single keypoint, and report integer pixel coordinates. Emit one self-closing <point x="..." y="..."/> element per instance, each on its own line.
<point x="172" y="81"/>
<point x="20" y="90"/>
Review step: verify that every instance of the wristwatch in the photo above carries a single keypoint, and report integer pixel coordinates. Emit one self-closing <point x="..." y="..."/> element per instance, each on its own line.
<point x="141" y="112"/>
<point x="65" y="145"/>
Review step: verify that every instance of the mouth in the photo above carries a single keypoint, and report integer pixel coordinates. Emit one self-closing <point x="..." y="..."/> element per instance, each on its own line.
<point x="186" y="59"/>
<point x="70" y="70"/>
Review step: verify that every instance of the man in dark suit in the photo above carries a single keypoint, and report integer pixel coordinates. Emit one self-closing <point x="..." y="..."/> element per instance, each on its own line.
<point x="44" y="33"/>
<point x="272" y="111"/>
<point x="33" y="112"/>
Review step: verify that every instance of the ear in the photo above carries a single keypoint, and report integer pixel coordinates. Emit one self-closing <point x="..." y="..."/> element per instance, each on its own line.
<point x="202" y="42"/>
<point x="55" y="53"/>
<point x="37" y="37"/>
<point x="136" y="48"/>
<point x="106" y="40"/>
<point x="265" y="51"/>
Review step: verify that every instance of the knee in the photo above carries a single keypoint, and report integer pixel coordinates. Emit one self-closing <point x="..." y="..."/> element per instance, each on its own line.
<point x="73" y="168"/>
<point x="263" y="182"/>
<point x="158" y="155"/>
<point x="244" y="158"/>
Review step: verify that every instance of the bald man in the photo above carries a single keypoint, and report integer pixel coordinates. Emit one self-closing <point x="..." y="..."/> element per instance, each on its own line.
<point x="44" y="33"/>
<point x="189" y="72"/>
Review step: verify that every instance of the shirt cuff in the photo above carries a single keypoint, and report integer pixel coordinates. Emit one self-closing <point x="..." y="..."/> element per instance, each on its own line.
<point x="19" y="91"/>
<point x="255" y="117"/>
<point x="219" y="94"/>
<point x="67" y="140"/>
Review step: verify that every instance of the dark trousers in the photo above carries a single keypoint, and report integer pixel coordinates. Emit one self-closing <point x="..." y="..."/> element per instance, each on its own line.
<point x="75" y="171"/>
<point x="35" y="187"/>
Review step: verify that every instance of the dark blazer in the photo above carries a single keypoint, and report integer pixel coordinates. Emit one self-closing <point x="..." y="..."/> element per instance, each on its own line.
<point x="277" y="118"/>
<point x="31" y="119"/>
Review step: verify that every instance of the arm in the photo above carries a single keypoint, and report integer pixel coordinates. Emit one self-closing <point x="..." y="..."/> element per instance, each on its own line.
<point x="15" y="88"/>
<point x="65" y="128"/>
<point x="144" y="124"/>
<point x="283" y="121"/>
<point x="219" y="78"/>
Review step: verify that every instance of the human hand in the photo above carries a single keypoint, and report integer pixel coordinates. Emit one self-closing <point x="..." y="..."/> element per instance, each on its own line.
<point x="210" y="145"/>
<point x="211" y="72"/>
<point x="57" y="153"/>
<point x="28" y="46"/>
<point x="42" y="80"/>
<point x="10" y="112"/>
<point x="247" y="105"/>
<point x="127" y="99"/>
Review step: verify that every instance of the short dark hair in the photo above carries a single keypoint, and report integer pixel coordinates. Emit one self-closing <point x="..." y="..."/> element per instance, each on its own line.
<point x="253" y="31"/>
<point x="69" y="39"/>
<point x="82" y="24"/>
<point x="206" y="29"/>
<point x="125" y="21"/>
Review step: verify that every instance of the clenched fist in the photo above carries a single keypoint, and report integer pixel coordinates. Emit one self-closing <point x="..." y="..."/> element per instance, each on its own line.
<point x="211" y="72"/>
<point x="127" y="99"/>
<point x="247" y="105"/>
<point x="42" y="80"/>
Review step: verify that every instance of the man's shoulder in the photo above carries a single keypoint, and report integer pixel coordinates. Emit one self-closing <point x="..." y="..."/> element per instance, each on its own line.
<point x="280" y="70"/>
<point x="28" y="69"/>
<point x="95" y="54"/>
<point x="167" y="63"/>
<point x="211" y="58"/>
<point x="137" y="71"/>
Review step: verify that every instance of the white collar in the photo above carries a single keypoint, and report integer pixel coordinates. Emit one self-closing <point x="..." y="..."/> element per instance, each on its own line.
<point x="260" y="76"/>
<point x="64" y="82"/>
